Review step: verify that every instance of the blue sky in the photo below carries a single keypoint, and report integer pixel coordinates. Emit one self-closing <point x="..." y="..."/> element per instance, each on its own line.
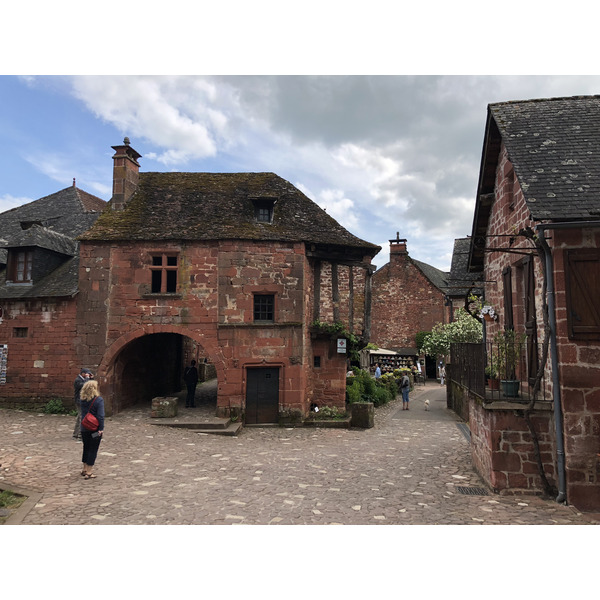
<point x="396" y="150"/>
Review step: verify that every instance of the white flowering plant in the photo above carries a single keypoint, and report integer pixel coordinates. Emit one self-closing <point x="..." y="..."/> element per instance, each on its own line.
<point x="464" y="329"/>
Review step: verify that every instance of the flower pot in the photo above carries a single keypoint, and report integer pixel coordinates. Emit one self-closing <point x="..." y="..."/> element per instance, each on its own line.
<point x="493" y="384"/>
<point x="510" y="388"/>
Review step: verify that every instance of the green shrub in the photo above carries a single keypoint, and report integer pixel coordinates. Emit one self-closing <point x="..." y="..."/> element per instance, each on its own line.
<point x="382" y="396"/>
<point x="54" y="407"/>
<point x="354" y="392"/>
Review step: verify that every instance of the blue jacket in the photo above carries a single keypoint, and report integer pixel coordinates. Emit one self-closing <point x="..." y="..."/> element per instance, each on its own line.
<point x="97" y="411"/>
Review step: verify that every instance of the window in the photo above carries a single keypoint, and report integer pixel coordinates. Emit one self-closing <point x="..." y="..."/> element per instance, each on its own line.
<point x="21" y="263"/>
<point x="20" y="332"/>
<point x="582" y="274"/>
<point x="264" y="307"/>
<point x="263" y="209"/>
<point x="316" y="362"/>
<point x="164" y="273"/>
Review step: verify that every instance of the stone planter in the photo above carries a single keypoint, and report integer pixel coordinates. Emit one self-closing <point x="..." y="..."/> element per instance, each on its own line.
<point x="363" y="414"/>
<point x="163" y="407"/>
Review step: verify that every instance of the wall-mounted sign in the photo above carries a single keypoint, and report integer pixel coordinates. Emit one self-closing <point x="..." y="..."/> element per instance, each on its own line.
<point x="341" y="345"/>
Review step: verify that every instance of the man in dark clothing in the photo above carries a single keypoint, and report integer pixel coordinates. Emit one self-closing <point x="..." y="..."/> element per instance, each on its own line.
<point x="190" y="376"/>
<point x="84" y="375"/>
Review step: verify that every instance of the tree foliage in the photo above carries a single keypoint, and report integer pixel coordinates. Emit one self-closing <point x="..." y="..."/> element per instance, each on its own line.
<point x="464" y="328"/>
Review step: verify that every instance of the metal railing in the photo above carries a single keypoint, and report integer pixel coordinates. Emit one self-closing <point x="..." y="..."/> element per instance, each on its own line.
<point x="512" y="383"/>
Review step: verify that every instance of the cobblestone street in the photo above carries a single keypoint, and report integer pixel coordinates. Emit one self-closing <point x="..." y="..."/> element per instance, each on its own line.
<point x="406" y="470"/>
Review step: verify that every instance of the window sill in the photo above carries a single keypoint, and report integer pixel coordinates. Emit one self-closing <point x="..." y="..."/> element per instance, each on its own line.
<point x="168" y="296"/>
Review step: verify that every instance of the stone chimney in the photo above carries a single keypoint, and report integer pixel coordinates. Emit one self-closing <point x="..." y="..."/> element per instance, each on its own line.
<point x="126" y="171"/>
<point x="397" y="248"/>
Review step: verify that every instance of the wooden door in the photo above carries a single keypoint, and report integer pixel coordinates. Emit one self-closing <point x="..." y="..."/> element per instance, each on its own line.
<point x="262" y="395"/>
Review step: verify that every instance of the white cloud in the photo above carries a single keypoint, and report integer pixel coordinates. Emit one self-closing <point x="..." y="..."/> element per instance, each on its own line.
<point x="7" y="202"/>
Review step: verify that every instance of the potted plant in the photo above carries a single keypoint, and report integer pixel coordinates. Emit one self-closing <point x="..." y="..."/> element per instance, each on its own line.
<point x="491" y="374"/>
<point x="509" y="345"/>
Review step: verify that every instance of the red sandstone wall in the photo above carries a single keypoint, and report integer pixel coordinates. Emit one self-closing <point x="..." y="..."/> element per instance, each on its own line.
<point x="404" y="303"/>
<point x="44" y="364"/>
<point x="579" y="374"/>
<point x="579" y="360"/>
<point x="503" y="451"/>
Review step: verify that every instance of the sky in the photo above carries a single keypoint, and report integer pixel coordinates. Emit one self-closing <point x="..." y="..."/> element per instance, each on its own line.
<point x="382" y="154"/>
<point x="375" y="110"/>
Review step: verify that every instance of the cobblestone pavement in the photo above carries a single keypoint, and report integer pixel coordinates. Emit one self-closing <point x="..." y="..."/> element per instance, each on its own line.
<point x="405" y="470"/>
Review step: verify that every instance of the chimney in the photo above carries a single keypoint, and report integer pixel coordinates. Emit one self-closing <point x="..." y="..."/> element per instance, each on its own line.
<point x="397" y="248"/>
<point x="126" y="171"/>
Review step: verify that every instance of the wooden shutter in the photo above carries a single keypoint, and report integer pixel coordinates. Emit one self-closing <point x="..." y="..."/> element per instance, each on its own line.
<point x="530" y="320"/>
<point x="583" y="292"/>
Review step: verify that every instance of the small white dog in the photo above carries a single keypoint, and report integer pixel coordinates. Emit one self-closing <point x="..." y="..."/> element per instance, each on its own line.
<point x="426" y="404"/>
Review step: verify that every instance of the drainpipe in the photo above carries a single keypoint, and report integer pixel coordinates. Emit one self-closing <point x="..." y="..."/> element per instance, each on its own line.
<point x="558" y="417"/>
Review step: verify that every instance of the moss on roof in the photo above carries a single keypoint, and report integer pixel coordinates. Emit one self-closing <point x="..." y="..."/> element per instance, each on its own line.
<point x="213" y="206"/>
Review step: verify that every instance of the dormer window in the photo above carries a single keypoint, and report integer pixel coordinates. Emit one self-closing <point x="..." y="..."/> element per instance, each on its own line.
<point x="263" y="209"/>
<point x="20" y="266"/>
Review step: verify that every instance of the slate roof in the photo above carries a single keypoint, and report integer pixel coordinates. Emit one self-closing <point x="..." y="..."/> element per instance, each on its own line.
<point x="51" y="222"/>
<point x="213" y="206"/>
<point x="460" y="280"/>
<point x="554" y="146"/>
<point x="437" y="277"/>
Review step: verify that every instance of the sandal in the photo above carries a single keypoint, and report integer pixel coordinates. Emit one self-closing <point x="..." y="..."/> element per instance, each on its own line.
<point x="90" y="476"/>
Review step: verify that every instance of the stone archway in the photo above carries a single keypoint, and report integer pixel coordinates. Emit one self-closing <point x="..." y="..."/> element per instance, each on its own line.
<point x="148" y="363"/>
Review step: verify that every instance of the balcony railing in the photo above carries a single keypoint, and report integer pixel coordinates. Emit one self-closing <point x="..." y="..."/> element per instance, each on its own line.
<point x="513" y="382"/>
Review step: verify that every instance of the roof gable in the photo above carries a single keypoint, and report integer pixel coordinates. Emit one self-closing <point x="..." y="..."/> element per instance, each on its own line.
<point x="51" y="223"/>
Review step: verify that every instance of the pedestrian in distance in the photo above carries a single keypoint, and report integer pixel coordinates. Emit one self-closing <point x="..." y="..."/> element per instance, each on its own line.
<point x="190" y="376"/>
<point x="377" y="371"/>
<point x="92" y="403"/>
<point x="442" y="375"/>
<point x="84" y="375"/>
<point x="405" y="388"/>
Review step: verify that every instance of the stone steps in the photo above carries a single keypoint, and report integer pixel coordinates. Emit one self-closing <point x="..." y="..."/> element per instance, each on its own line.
<point x="214" y="425"/>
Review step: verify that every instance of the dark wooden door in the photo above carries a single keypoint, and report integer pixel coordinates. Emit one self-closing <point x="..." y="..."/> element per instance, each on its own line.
<point x="262" y="396"/>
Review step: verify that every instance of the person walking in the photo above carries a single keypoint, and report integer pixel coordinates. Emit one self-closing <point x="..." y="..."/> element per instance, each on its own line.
<point x="405" y="388"/>
<point x="442" y="375"/>
<point x="377" y="371"/>
<point x="84" y="375"/>
<point x="190" y="376"/>
<point x="93" y="403"/>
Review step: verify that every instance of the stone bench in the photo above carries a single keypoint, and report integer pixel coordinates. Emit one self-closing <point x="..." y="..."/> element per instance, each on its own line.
<point x="164" y="407"/>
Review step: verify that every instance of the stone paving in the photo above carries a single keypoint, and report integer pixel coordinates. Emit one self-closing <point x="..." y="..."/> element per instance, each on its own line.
<point x="405" y="470"/>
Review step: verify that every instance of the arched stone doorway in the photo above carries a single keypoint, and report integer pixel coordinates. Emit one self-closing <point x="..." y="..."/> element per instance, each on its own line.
<point x="150" y="365"/>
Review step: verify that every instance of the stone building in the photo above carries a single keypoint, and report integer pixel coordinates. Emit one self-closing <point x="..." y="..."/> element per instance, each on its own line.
<point x="409" y="296"/>
<point x="225" y="268"/>
<point x="536" y="239"/>
<point x="39" y="271"/>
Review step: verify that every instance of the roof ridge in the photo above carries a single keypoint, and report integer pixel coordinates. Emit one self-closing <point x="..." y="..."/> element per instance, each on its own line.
<point x="538" y="100"/>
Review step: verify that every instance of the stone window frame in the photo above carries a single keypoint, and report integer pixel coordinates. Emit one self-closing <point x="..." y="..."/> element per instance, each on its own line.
<point x="164" y="274"/>
<point x="264" y="305"/>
